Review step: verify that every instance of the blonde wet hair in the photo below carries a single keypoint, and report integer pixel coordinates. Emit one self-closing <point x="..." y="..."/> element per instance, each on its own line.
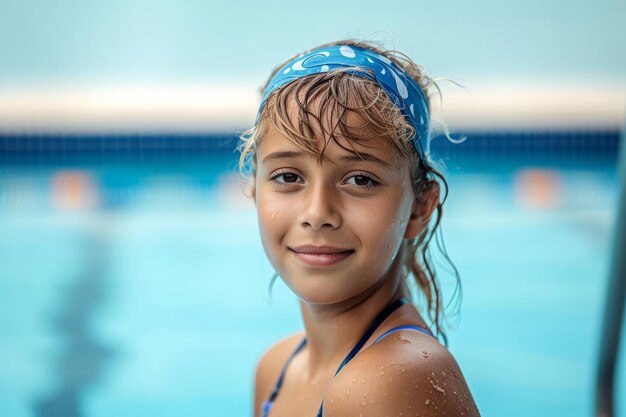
<point x="341" y="93"/>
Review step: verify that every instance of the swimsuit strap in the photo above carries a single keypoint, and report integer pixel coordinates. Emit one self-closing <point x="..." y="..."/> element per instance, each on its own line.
<point x="368" y="333"/>
<point x="370" y="330"/>
<point x="418" y="328"/>
<point x="395" y="329"/>
<point x="267" y="405"/>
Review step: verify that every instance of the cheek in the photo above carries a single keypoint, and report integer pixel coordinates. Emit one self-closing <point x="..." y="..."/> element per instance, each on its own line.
<point x="382" y="225"/>
<point x="274" y="215"/>
<point x="268" y="210"/>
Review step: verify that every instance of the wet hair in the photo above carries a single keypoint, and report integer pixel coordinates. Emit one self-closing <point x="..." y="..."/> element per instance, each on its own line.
<point x="342" y="93"/>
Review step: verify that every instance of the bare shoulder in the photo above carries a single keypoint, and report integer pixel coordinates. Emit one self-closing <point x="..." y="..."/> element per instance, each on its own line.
<point x="405" y="374"/>
<point x="270" y="365"/>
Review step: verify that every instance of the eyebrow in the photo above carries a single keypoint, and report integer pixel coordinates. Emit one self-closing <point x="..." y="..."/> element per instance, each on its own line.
<point x="365" y="157"/>
<point x="348" y="157"/>
<point x="282" y="155"/>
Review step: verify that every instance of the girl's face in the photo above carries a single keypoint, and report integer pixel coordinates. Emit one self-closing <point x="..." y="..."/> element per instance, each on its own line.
<point x="362" y="208"/>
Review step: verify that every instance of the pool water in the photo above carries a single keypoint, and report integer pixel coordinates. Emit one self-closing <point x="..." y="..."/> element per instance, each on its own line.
<point x="141" y="288"/>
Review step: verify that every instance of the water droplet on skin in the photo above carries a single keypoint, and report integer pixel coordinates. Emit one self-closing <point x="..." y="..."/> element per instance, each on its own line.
<point x="339" y="396"/>
<point x="363" y="404"/>
<point x="354" y="379"/>
<point x="274" y="215"/>
<point x="403" y="340"/>
<point x="427" y="402"/>
<point x="365" y="395"/>
<point x="332" y="400"/>
<point x="382" y="373"/>
<point x="348" y="392"/>
<point x="363" y="381"/>
<point x="435" y="385"/>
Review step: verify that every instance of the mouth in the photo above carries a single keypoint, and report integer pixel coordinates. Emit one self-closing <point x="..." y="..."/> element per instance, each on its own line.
<point x="324" y="257"/>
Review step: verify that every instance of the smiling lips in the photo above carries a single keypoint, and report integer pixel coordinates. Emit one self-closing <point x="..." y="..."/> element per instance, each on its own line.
<point x="320" y="255"/>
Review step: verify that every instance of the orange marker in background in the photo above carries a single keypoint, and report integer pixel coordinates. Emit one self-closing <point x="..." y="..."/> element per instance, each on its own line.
<point x="74" y="190"/>
<point x="538" y="189"/>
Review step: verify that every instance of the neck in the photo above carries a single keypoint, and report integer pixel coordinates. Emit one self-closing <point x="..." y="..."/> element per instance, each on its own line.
<point x="332" y="330"/>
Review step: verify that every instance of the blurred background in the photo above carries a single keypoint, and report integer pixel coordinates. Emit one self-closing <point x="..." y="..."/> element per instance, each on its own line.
<point x="132" y="277"/>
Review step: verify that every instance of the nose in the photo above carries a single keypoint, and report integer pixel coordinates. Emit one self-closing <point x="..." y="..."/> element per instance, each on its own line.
<point x="320" y="207"/>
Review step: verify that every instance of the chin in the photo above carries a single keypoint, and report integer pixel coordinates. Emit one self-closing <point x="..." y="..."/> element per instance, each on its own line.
<point x="321" y="291"/>
<point x="316" y="293"/>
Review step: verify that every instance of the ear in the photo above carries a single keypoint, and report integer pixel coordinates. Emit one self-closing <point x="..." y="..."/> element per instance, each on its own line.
<point x="248" y="189"/>
<point x="422" y="211"/>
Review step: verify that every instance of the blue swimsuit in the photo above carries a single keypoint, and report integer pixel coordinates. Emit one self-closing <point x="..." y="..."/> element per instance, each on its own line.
<point x="267" y="405"/>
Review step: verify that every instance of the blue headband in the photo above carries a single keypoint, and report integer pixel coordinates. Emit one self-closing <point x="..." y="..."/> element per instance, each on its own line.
<point x="401" y="88"/>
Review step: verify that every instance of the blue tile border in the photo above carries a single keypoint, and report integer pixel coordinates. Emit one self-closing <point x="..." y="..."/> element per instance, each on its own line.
<point x="39" y="147"/>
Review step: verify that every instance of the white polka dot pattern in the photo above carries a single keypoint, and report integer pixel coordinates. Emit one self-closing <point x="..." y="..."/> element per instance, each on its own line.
<point x="347" y="51"/>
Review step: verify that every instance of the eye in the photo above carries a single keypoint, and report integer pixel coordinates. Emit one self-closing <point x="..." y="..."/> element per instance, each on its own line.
<point x="363" y="180"/>
<point x="288" y="177"/>
<point x="282" y="178"/>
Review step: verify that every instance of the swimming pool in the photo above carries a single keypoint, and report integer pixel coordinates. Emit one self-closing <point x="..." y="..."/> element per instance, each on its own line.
<point x="134" y="283"/>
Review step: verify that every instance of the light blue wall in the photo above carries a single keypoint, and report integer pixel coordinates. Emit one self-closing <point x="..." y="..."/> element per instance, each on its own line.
<point x="187" y="40"/>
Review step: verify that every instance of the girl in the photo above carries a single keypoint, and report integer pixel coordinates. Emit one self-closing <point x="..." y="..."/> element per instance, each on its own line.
<point x="344" y="188"/>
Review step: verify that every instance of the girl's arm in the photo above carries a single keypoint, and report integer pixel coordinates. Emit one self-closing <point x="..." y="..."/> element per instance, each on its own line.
<point x="395" y="379"/>
<point x="269" y="367"/>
